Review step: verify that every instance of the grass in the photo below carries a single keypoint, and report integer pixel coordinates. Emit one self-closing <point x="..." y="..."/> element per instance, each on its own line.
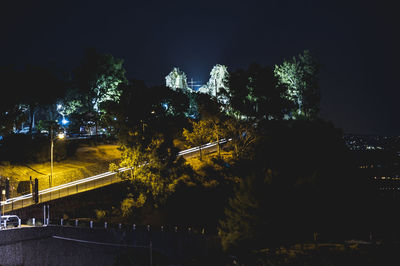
<point x="87" y="161"/>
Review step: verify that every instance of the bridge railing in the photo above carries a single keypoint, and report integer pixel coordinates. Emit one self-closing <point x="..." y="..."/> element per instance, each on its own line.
<point x="62" y="191"/>
<point x="81" y="185"/>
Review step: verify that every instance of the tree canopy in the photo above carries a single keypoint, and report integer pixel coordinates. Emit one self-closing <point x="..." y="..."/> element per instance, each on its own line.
<point x="300" y="77"/>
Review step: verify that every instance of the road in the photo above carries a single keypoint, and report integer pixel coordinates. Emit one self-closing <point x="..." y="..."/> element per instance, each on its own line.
<point x="86" y="184"/>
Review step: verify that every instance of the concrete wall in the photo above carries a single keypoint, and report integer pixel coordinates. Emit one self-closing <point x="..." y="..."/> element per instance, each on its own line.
<point x="37" y="246"/>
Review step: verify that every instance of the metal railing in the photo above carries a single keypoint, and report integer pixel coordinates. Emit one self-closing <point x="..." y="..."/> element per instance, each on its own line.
<point x="64" y="190"/>
<point x="81" y="185"/>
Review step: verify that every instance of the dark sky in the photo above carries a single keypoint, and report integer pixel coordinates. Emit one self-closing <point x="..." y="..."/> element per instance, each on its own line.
<point x="355" y="41"/>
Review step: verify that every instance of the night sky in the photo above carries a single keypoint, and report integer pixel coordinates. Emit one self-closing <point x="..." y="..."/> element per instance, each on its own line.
<point x="355" y="41"/>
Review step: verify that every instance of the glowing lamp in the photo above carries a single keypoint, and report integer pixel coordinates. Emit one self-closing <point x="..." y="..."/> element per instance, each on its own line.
<point x="64" y="121"/>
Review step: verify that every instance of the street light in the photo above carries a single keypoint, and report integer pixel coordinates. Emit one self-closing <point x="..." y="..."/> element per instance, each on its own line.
<point x="60" y="136"/>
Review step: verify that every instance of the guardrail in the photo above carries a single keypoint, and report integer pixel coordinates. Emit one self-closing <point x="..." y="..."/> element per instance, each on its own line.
<point x="64" y="190"/>
<point x="81" y="185"/>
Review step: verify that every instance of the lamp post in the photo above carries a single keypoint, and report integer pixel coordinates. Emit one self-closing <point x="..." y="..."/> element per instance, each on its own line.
<point x="52" y="139"/>
<point x="3" y="200"/>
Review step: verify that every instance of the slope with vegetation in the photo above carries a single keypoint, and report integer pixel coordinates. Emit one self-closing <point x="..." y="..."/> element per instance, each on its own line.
<point x="284" y="175"/>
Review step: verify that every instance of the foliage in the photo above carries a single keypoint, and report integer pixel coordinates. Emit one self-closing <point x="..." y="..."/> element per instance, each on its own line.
<point x="295" y="183"/>
<point x="155" y="171"/>
<point x="300" y="76"/>
<point x="244" y="217"/>
<point x="243" y="136"/>
<point x="256" y="94"/>
<point x="284" y="169"/>
<point x="100" y="214"/>
<point x="11" y="113"/>
<point x="145" y="130"/>
<point x="11" y="117"/>
<point x="130" y="202"/>
<point x="201" y="134"/>
<point x="217" y="85"/>
<point x="97" y="81"/>
<point x="177" y="82"/>
<point x="28" y="96"/>
<point x="36" y="85"/>
<point x="176" y="79"/>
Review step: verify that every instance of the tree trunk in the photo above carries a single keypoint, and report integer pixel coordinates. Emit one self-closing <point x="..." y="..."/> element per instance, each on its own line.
<point x="96" y="126"/>
<point x="236" y="150"/>
<point x="219" y="146"/>
<point x="200" y="153"/>
<point x="31" y="118"/>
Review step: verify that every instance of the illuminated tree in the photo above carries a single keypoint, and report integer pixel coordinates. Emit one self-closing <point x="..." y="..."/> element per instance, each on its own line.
<point x="201" y="134"/>
<point x="145" y="131"/>
<point x="97" y="80"/>
<point x="210" y="111"/>
<point x="155" y="169"/>
<point x="176" y="79"/>
<point x="300" y="76"/>
<point x="217" y="85"/>
<point x="243" y="136"/>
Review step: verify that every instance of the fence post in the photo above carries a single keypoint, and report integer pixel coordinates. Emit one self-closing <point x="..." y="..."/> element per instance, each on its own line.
<point x="44" y="214"/>
<point x="62" y="222"/>
<point x="76" y="222"/>
<point x="34" y="221"/>
<point x="151" y="253"/>
<point x="119" y="226"/>
<point x="48" y="214"/>
<point x="134" y="227"/>
<point x="105" y="225"/>
<point x="91" y="224"/>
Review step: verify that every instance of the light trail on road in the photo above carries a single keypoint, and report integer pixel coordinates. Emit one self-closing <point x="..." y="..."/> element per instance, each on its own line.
<point x="102" y="175"/>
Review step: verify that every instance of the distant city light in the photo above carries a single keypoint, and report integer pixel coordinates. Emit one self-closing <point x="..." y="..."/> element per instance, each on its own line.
<point x="64" y="121"/>
<point x="61" y="135"/>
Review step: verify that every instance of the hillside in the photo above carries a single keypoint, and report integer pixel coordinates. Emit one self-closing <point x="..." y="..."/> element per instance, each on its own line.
<point x="88" y="161"/>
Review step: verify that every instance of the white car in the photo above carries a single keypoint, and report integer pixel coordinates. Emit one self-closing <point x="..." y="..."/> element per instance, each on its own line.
<point x="8" y="221"/>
